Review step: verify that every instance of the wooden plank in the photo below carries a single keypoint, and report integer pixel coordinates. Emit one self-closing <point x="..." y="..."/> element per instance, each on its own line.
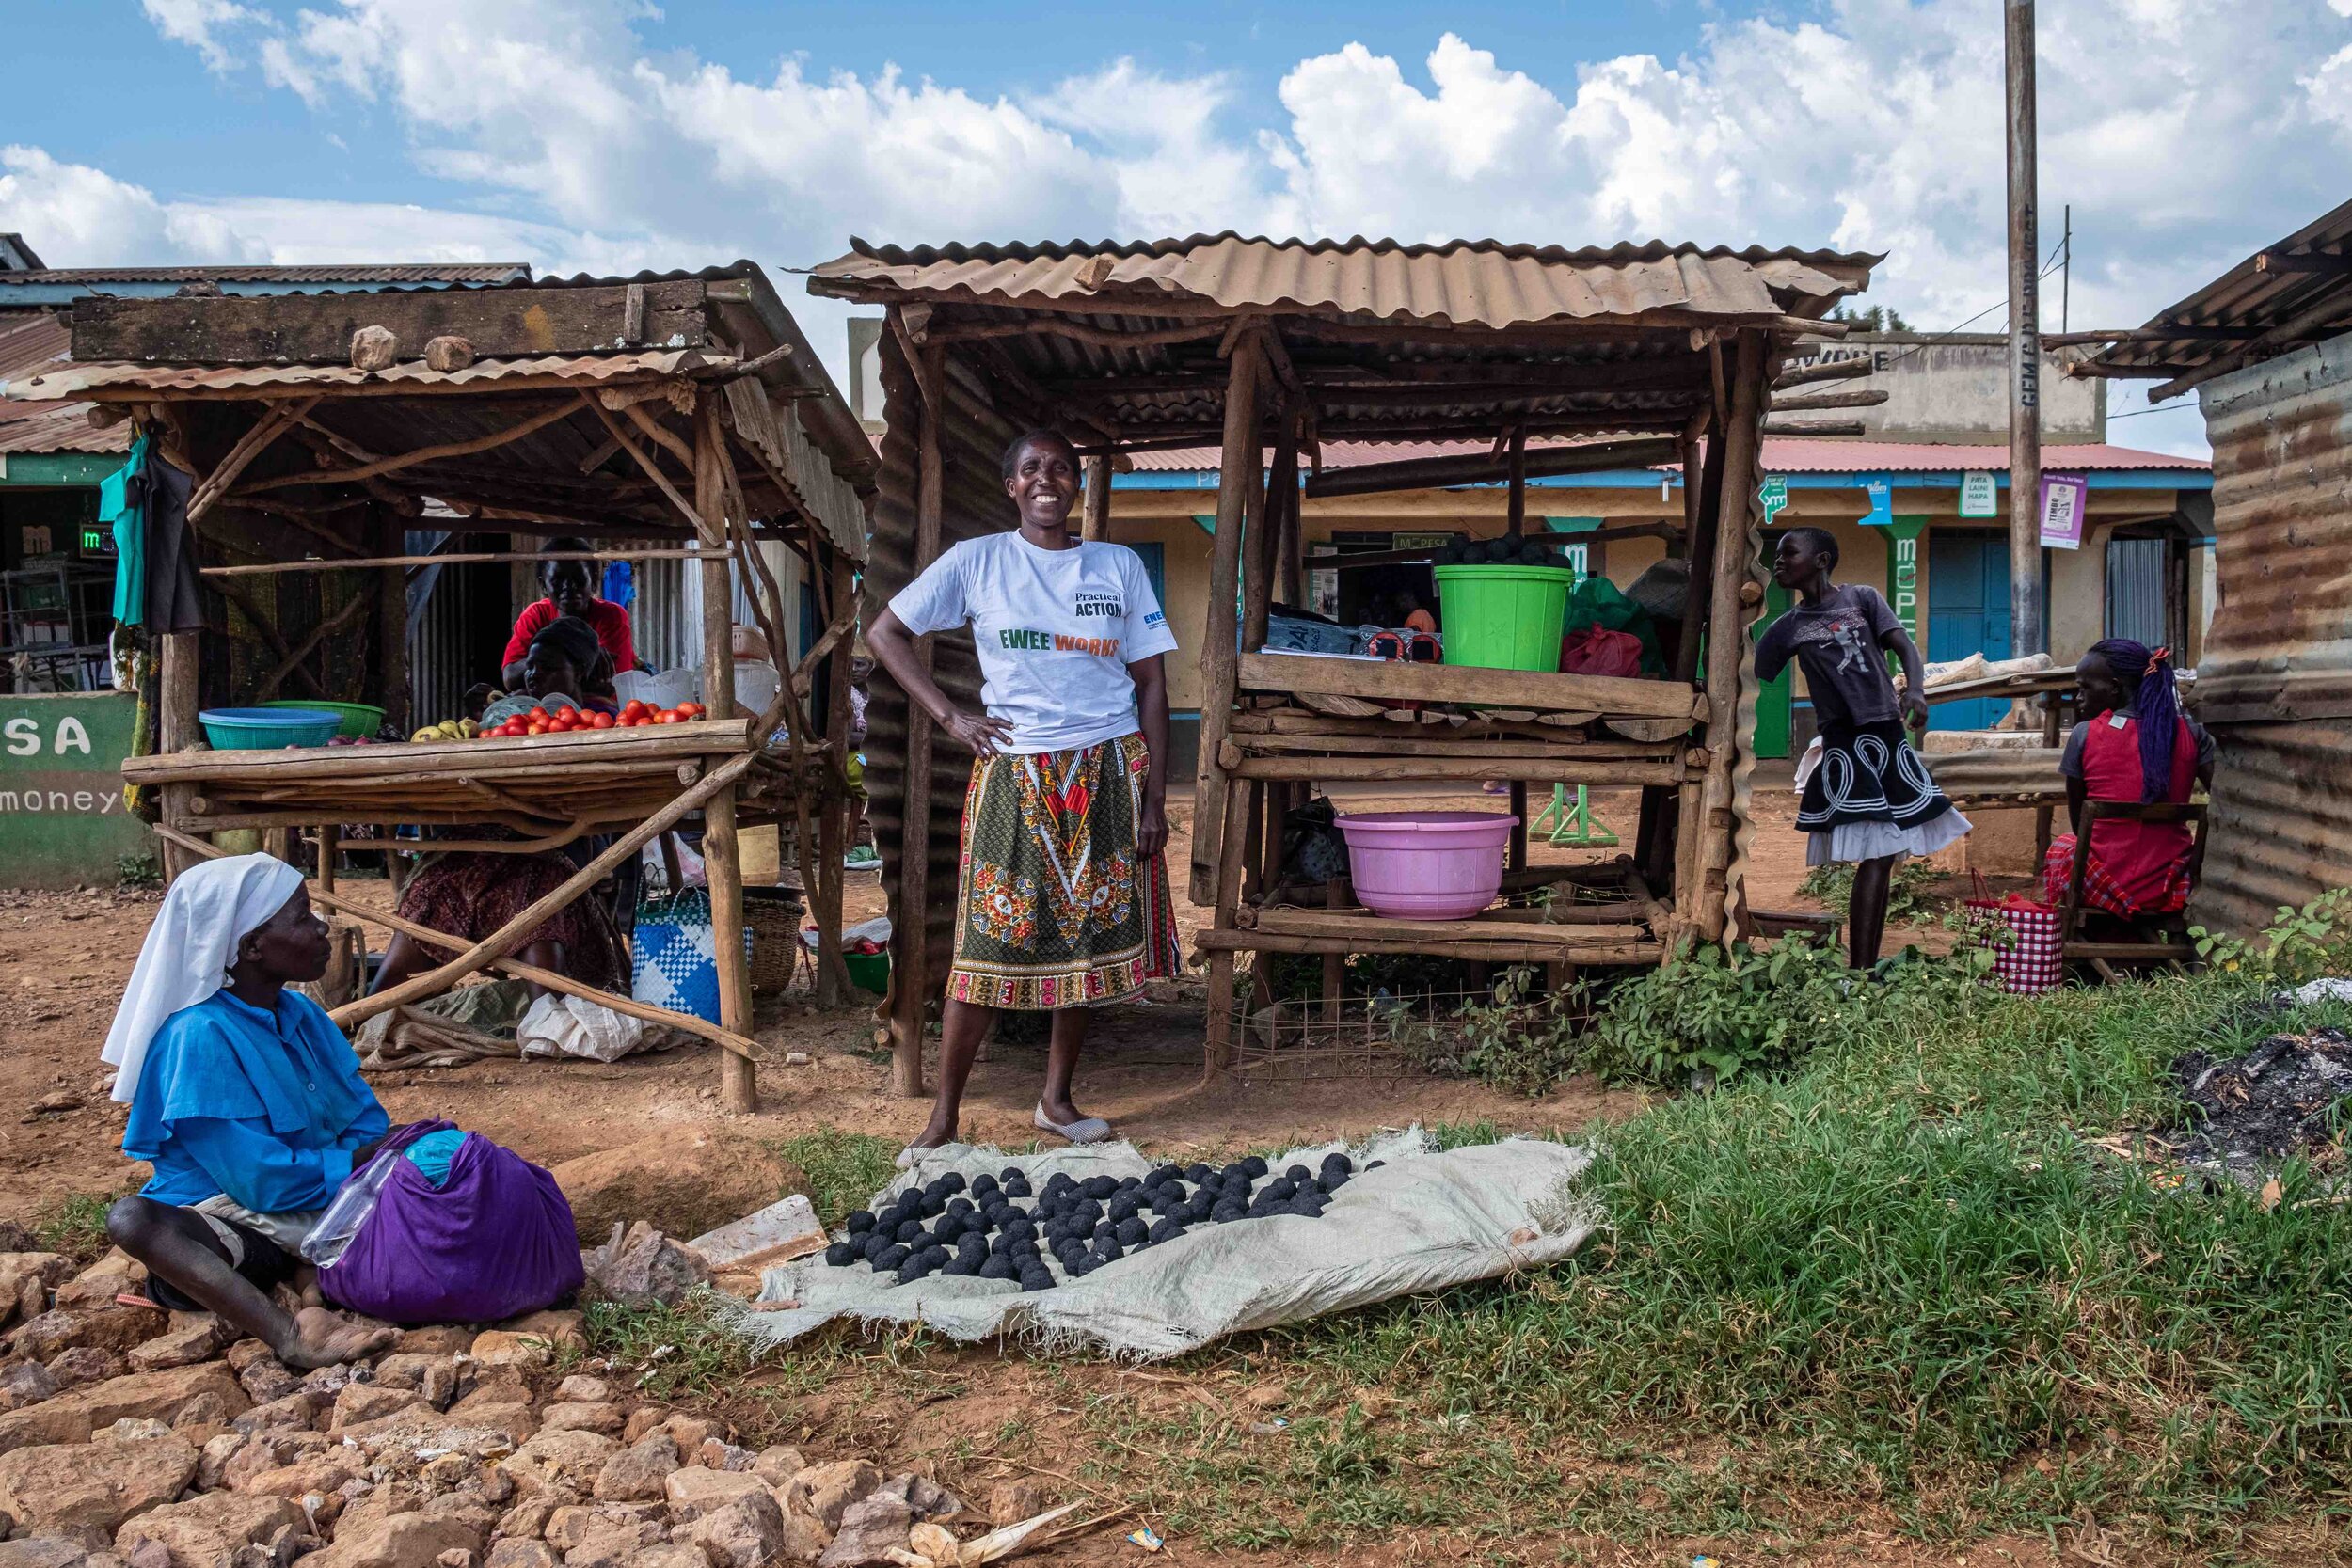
<point x="1430" y="473"/>
<point x="1400" y="742"/>
<point x="489" y="758"/>
<point x="1568" y="948"/>
<point x="1496" y="924"/>
<point x="1219" y="679"/>
<point x="1608" y="772"/>
<point x="1394" y="682"/>
<point x="316" y="328"/>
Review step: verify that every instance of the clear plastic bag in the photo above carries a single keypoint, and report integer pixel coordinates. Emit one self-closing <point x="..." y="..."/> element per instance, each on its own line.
<point x="349" y="1210"/>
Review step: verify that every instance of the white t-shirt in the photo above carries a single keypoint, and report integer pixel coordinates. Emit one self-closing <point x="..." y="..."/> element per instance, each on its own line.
<point x="1055" y="631"/>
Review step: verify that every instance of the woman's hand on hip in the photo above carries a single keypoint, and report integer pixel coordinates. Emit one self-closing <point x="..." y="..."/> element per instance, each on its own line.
<point x="1151" y="829"/>
<point x="978" y="733"/>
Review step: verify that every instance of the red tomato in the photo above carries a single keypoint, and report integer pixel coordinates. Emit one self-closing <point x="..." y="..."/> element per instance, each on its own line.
<point x="601" y="721"/>
<point x="634" y="708"/>
<point x="690" y="710"/>
<point x="671" y="716"/>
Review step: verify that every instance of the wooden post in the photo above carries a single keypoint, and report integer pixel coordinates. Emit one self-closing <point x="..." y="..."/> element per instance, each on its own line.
<point x="1516" y="522"/>
<point x="911" y="951"/>
<point x="1238" y="475"/>
<point x="739" y="1080"/>
<point x="1518" y="857"/>
<point x="1726" y="642"/>
<point x="1267" y="532"/>
<point x="176" y="730"/>
<point x="833" y="834"/>
<point x="392" y="621"/>
<point x="1290" y="584"/>
<point x="1234" y="839"/>
<point x="1096" y="523"/>
<point x="2025" y="340"/>
<point x="1701" y="504"/>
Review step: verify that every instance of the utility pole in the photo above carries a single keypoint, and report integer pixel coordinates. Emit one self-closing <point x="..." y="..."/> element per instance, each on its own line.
<point x="2025" y="344"/>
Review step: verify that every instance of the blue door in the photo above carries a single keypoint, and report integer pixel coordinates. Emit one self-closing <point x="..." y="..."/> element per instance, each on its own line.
<point x="1967" y="614"/>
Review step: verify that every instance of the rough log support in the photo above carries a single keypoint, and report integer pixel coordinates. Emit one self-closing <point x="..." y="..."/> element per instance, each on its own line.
<point x="1728" y="615"/>
<point x="910" y="968"/>
<point x="738" y="1081"/>
<point x="1237" y="474"/>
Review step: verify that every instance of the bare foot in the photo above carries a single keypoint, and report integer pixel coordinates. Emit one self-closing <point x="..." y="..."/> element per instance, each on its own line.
<point x="324" y="1340"/>
<point x="935" y="1134"/>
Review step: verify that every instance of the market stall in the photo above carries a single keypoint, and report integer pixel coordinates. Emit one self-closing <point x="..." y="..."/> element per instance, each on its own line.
<point x="1551" y="360"/>
<point x="667" y="419"/>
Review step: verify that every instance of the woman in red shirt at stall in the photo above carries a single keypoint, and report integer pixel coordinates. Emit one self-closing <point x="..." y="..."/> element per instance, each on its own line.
<point x="2136" y="745"/>
<point x="569" y="586"/>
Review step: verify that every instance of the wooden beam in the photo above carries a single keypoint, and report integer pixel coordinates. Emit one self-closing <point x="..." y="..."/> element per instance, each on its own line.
<point x="2310" y="323"/>
<point x="1096" y="523"/>
<point x="1819" y="400"/>
<point x="1236" y="476"/>
<point x="269" y="569"/>
<point x="738" y="1081"/>
<point x="1396" y="682"/>
<point x="1727" y="642"/>
<point x="1814" y="427"/>
<point x="424" y="455"/>
<point x="911" y="938"/>
<point x="1572" y="944"/>
<point x="1613" y="774"/>
<point x="270" y="426"/>
<point x="1429" y="473"/>
<point x="234" y="329"/>
<point x="518" y="931"/>
<point x="833" y="839"/>
<point x="1824" y="370"/>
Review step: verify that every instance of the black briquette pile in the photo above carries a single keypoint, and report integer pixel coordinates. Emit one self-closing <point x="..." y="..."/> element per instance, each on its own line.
<point x="997" y="1227"/>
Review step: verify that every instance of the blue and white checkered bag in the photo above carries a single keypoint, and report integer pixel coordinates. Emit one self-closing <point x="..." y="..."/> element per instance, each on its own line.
<point x="673" y="962"/>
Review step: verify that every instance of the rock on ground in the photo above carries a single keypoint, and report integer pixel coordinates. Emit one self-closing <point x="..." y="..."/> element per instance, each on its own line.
<point x="115" y="1328"/>
<point x="745" y="1533"/>
<point x="401" y="1540"/>
<point x="569" y="1459"/>
<point x="204" y="1531"/>
<point x="696" y="1491"/>
<point x="869" y="1532"/>
<point x="638" y="1472"/>
<point x="825" y="1492"/>
<point x="681" y="1186"/>
<point x="93" y="1485"/>
<point x="641" y="1267"/>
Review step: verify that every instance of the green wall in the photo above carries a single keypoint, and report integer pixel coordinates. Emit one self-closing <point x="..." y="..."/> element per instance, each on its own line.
<point x="62" y="820"/>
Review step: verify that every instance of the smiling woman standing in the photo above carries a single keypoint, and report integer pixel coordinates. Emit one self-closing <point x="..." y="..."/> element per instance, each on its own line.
<point x="1062" y="900"/>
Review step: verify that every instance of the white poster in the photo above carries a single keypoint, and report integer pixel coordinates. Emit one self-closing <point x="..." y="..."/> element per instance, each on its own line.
<point x="1978" y="495"/>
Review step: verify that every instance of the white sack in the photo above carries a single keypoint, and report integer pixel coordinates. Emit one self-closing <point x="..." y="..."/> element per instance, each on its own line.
<point x="1422" y="1222"/>
<point x="575" y="1026"/>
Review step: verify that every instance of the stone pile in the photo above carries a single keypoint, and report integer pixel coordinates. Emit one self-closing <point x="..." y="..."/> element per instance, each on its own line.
<point x="134" y="1438"/>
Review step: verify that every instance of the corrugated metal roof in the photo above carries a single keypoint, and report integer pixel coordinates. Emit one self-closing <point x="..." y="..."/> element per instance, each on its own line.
<point x="70" y="380"/>
<point x="356" y="272"/>
<point x="27" y="347"/>
<point x="2309" y="270"/>
<point x="1781" y="455"/>
<point x="1462" y="282"/>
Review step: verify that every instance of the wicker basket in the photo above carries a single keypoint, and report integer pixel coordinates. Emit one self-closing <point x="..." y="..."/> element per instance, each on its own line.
<point x="774" y="925"/>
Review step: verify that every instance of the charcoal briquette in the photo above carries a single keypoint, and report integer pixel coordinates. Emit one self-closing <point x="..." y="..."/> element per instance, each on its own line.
<point x="1197" y="1172"/>
<point x="1255" y="1166"/>
<point x="1298" y="1174"/>
<point x="860" y="1222"/>
<point x="1306" y="1204"/>
<point x="997" y="1268"/>
<point x="1099" y="1187"/>
<point x="1231" y="1209"/>
<point x="1336" y="1160"/>
<point x="960" y="1206"/>
<point x="840" y="1255"/>
<point x="1120" y="1207"/>
<point x="1129" y="1183"/>
<point x="1035" y="1279"/>
<point x="1163" y="1175"/>
<point x="915" y="1268"/>
<point x="1107" y="1249"/>
<point x="909" y="1230"/>
<point x="1165" y="1231"/>
<point x="888" y="1259"/>
<point x="1131" y="1230"/>
<point x="1281" y="1189"/>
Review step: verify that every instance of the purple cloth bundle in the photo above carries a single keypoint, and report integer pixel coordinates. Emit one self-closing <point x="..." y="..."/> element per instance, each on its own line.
<point x="494" y="1241"/>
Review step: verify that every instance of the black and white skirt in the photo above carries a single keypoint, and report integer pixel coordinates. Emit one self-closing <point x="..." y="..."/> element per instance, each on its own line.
<point x="1870" y="796"/>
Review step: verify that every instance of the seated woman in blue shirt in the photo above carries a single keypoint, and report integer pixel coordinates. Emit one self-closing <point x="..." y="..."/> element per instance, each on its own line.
<point x="247" y="1100"/>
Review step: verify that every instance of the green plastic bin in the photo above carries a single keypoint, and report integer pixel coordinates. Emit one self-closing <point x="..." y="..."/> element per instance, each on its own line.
<point x="1504" y="617"/>
<point x="359" y="719"/>
<point x="868" y="970"/>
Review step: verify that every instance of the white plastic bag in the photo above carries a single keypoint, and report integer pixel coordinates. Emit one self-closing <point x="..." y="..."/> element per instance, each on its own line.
<point x="575" y="1026"/>
<point x="666" y="689"/>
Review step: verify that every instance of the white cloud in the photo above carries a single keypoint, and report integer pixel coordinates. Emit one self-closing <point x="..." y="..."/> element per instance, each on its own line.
<point x="2183" y="133"/>
<point x="77" y="216"/>
<point x="199" y="23"/>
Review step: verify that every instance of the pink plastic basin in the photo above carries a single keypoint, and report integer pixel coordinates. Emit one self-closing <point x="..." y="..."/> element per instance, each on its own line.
<point x="1427" y="864"/>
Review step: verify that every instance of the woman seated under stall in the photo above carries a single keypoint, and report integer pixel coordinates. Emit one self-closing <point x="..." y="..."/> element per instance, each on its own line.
<point x="471" y="894"/>
<point x="245" y="1099"/>
<point x="2136" y="745"/>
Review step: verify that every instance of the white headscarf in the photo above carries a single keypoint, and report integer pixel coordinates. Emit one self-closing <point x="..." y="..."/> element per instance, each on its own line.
<point x="188" y="950"/>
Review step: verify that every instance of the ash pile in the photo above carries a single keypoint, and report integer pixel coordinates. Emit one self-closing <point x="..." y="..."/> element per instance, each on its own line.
<point x="2286" y="1096"/>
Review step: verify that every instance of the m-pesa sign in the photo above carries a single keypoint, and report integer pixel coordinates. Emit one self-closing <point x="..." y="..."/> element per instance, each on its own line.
<point x="62" y="820"/>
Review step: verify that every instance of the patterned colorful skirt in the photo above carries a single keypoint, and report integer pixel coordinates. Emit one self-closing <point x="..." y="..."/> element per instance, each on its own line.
<point x="1872" y="797"/>
<point x="1053" y="907"/>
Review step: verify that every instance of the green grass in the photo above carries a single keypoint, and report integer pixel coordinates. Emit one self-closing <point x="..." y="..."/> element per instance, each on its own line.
<point x="844" y="1168"/>
<point x="75" y="1226"/>
<point x="1897" y="1283"/>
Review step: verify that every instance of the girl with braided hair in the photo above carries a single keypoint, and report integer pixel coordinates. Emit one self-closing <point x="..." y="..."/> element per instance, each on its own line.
<point x="2135" y="745"/>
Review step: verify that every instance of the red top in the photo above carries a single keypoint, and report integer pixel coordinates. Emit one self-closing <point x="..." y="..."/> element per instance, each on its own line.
<point x="2145" y="859"/>
<point x="611" y="621"/>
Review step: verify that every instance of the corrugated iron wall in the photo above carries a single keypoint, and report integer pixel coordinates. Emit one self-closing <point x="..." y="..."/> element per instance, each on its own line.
<point x="2275" y="679"/>
<point x="973" y="437"/>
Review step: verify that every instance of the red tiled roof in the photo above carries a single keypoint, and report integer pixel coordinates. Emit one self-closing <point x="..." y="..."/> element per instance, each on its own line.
<point x="1785" y="455"/>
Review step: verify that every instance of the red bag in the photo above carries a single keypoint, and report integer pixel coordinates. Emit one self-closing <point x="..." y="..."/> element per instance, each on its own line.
<point x="2024" y="935"/>
<point x="1597" y="651"/>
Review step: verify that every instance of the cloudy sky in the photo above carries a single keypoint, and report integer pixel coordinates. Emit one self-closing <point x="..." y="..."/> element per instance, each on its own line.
<point x="613" y="134"/>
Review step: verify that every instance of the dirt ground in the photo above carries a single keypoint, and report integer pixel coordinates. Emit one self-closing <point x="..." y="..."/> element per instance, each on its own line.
<point x="64" y="957"/>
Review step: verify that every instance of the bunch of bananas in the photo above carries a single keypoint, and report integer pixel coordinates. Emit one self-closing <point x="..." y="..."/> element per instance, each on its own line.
<point x="449" y="729"/>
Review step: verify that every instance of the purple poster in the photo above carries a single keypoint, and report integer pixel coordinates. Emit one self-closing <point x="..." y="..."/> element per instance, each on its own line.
<point x="2064" y="498"/>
